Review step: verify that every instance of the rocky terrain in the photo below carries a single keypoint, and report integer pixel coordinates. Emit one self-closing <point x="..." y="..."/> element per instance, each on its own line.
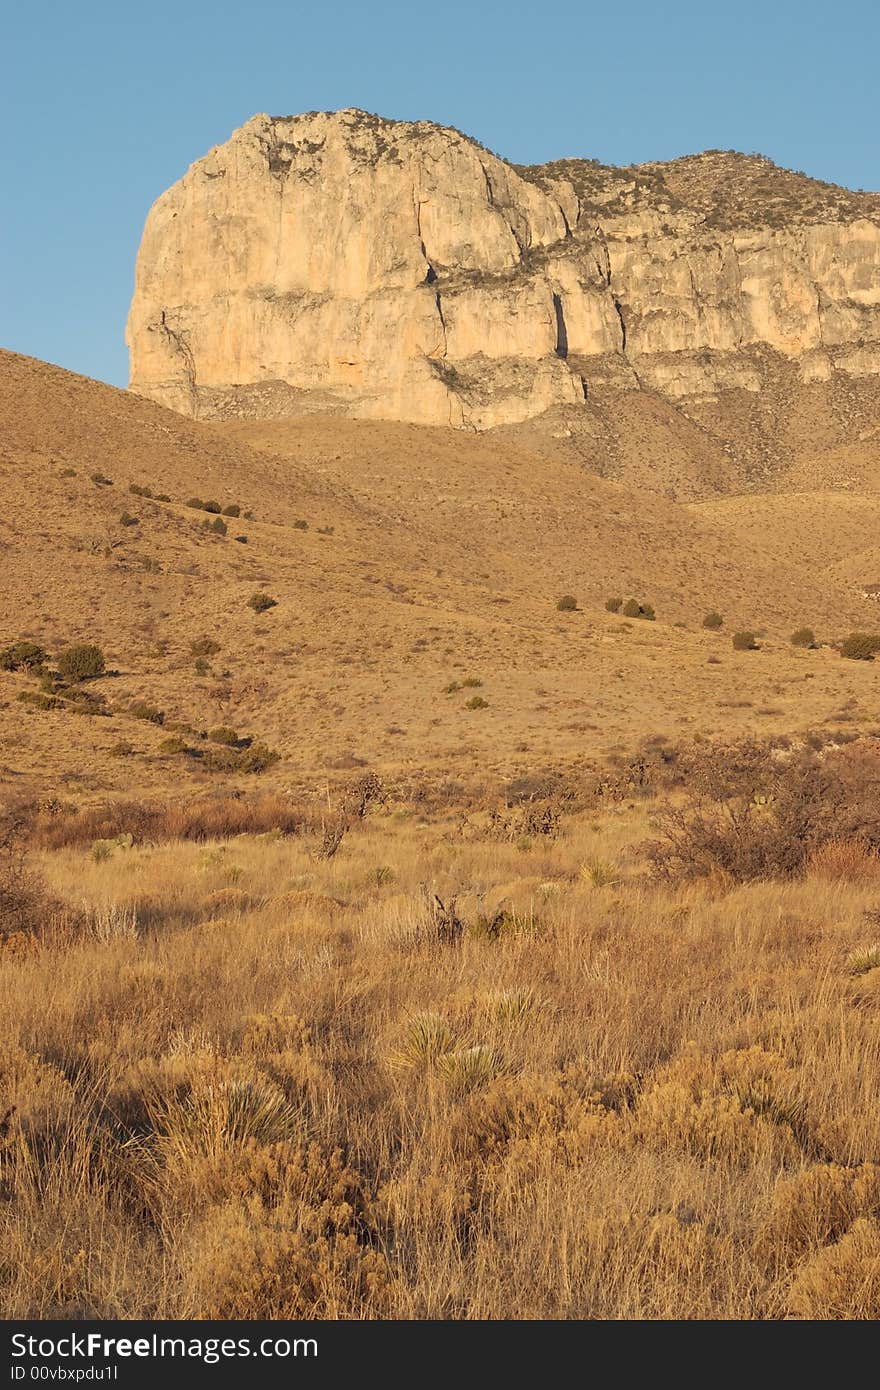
<point x="342" y="263"/>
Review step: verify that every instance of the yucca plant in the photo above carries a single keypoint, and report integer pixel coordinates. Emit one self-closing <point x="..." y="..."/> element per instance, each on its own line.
<point x="427" y="1039"/>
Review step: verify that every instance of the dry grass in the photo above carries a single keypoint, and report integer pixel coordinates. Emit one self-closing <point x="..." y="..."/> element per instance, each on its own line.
<point x="259" y="1084"/>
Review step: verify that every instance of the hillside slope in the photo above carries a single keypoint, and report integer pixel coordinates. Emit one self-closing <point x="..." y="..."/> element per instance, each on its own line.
<point x="404" y="560"/>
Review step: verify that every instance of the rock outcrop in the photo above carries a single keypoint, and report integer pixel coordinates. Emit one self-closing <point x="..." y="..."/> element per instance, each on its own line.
<point x="346" y="263"/>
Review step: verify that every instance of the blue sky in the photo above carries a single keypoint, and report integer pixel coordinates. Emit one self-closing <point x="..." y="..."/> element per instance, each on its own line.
<point x="103" y="105"/>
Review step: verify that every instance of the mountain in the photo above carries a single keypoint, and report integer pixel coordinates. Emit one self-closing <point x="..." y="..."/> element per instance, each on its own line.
<point x="342" y="263"/>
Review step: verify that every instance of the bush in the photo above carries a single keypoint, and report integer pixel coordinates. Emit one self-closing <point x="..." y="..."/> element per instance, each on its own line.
<point x="122" y="749"/>
<point x="149" y="713"/>
<point x="22" y="656"/>
<point x="744" y="642"/>
<point x="224" y="735"/>
<point x="137" y="491"/>
<point x="567" y="604"/>
<point x="100" y="481"/>
<point x="860" y="646"/>
<point x="174" y="744"/>
<point x="472" y="683"/>
<point x="713" y="621"/>
<point x="128" y="520"/>
<point x="232" y="510"/>
<point x="201" y="666"/>
<point x="633" y="609"/>
<point x="803" y="637"/>
<point x="476" y="702"/>
<point x="300" y="525"/>
<point x="204" y="646"/>
<point x="218" y="526"/>
<point x="613" y="605"/>
<point x="248" y="760"/>
<point x="260" y="602"/>
<point x="196" y="503"/>
<point x="81" y="663"/>
<point x="38" y="700"/>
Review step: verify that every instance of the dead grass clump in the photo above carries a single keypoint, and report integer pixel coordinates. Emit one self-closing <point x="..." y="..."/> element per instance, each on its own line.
<point x="844" y="861"/>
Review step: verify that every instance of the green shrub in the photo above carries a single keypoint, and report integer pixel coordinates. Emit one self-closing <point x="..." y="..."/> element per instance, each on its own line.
<point x="174" y="745"/>
<point x="82" y="662"/>
<point x="713" y="621"/>
<point x="149" y="713"/>
<point x="633" y="609"/>
<point x="744" y="642"/>
<point x="224" y="735"/>
<point x="613" y="605"/>
<point x="476" y="702"/>
<point x="232" y="510"/>
<point x="38" y="699"/>
<point x="803" y="637"/>
<point x="860" y="646"/>
<point x="196" y="503"/>
<point x="22" y="656"/>
<point x="248" y="760"/>
<point x="213" y="507"/>
<point x="567" y="604"/>
<point x="260" y="602"/>
<point x="218" y="526"/>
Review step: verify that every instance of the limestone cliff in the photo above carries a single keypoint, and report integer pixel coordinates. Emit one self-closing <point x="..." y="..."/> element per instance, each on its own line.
<point x="347" y="263"/>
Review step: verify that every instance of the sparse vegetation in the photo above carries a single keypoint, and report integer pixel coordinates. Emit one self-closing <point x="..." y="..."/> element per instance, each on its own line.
<point x="745" y="642"/>
<point x="567" y="604"/>
<point x="713" y="621"/>
<point x="633" y="609"/>
<point x="803" y="637"/>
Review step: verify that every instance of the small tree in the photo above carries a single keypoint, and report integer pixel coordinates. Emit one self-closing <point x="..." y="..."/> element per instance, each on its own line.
<point x="803" y="637"/>
<point x="744" y="642"/>
<point x="713" y="621"/>
<point x="81" y="663"/>
<point x="22" y="656"/>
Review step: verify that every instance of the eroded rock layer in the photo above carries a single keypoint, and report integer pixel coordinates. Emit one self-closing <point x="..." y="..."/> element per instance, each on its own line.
<point x="344" y="263"/>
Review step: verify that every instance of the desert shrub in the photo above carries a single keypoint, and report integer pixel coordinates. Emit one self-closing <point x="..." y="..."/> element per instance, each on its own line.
<point x="100" y="481"/>
<point x="82" y="662"/>
<point x="201" y="666"/>
<point x="471" y="683"/>
<point x="744" y="642"/>
<point x="451" y="688"/>
<point x="782" y="815"/>
<point x="300" y="525"/>
<point x="223" y="734"/>
<point x="261" y="602"/>
<point x="713" y="621"/>
<point x="141" y="710"/>
<point x="860" y="646"/>
<point x="803" y="637"/>
<point x="137" y="491"/>
<point x="38" y="699"/>
<point x="161" y="497"/>
<point x="22" y="656"/>
<point x="633" y="609"/>
<point x="196" y="503"/>
<point x="232" y="510"/>
<point x="218" y="526"/>
<point x="567" y="604"/>
<point x="174" y="744"/>
<point x="204" y="646"/>
<point x="476" y="702"/>
<point x="26" y="908"/>
<point x="213" y="507"/>
<point x="126" y="519"/>
<point x="254" y="759"/>
<point x="613" y="605"/>
<point x="122" y="749"/>
<point x="326" y="530"/>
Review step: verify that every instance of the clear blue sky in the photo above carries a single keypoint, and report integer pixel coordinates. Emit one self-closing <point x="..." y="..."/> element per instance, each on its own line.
<point x="103" y="105"/>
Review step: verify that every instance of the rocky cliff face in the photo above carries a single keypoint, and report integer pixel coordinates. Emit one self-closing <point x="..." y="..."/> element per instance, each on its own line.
<point x="346" y="263"/>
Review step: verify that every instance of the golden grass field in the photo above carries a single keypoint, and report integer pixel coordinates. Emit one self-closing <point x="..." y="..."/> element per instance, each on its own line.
<point x="459" y="1052"/>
